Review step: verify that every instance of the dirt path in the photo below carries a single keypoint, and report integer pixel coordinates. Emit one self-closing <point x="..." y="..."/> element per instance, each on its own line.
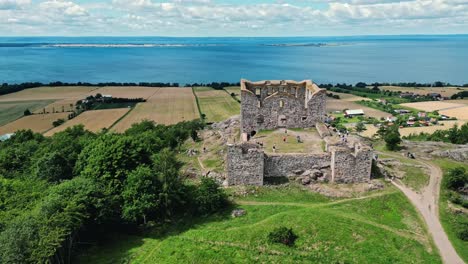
<point x="426" y="201"/>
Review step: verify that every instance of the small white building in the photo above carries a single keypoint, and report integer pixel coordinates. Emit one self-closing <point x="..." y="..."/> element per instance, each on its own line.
<point x="6" y="136"/>
<point x="355" y="112"/>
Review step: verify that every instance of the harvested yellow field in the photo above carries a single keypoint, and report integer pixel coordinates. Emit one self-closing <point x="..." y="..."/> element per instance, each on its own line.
<point x="37" y="123"/>
<point x="94" y="121"/>
<point x="350" y="97"/>
<point x="48" y="93"/>
<point x="167" y="106"/>
<point x="443" y="125"/>
<point x="460" y="113"/>
<point x="340" y="105"/>
<point x="433" y="105"/>
<point x="444" y="91"/>
<point x="127" y="91"/>
<point x="217" y="105"/>
<point x="65" y="105"/>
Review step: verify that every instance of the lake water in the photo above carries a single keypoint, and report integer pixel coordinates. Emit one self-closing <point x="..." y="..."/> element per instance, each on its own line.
<point x="189" y="60"/>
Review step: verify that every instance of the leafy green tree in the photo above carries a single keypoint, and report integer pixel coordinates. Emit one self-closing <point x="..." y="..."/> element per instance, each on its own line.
<point x="456" y="178"/>
<point x="209" y="197"/>
<point x="360" y="127"/>
<point x="140" y="194"/>
<point x="27" y="112"/>
<point x="52" y="167"/>
<point x="392" y="139"/>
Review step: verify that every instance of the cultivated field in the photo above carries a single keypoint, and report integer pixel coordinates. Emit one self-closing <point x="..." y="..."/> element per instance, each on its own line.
<point x="167" y="106"/>
<point x="37" y="123"/>
<point x="10" y="111"/>
<point x="340" y="105"/>
<point x="460" y="113"/>
<point x="444" y="91"/>
<point x="235" y="90"/>
<point x="93" y="121"/>
<point x="217" y="105"/>
<point x="435" y="105"/>
<point x="65" y="105"/>
<point x="443" y="125"/>
<point x="127" y="91"/>
<point x="350" y="97"/>
<point x="48" y="93"/>
<point x="382" y="227"/>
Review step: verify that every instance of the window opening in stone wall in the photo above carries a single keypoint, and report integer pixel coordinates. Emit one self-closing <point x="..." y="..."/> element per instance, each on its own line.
<point x="259" y="104"/>
<point x="281" y="103"/>
<point x="304" y="118"/>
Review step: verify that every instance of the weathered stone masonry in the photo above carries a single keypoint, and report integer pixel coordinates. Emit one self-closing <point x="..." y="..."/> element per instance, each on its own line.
<point x="277" y="104"/>
<point x="290" y="104"/>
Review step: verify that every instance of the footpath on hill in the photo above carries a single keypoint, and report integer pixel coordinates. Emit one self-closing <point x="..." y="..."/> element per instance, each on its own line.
<point x="426" y="201"/>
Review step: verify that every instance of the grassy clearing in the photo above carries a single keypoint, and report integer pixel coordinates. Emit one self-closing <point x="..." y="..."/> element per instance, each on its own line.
<point x="217" y="105"/>
<point x="448" y="217"/>
<point x="310" y="141"/>
<point x="415" y="178"/>
<point x="377" y="229"/>
<point x="10" y="111"/>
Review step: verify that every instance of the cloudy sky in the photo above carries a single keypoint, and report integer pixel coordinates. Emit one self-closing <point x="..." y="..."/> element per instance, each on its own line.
<point x="231" y="17"/>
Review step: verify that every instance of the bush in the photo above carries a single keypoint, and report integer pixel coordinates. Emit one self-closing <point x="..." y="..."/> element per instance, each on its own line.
<point x="27" y="112"/>
<point x="392" y="139"/>
<point x="208" y="197"/>
<point x="456" y="178"/>
<point x="282" y="235"/>
<point x="58" y="122"/>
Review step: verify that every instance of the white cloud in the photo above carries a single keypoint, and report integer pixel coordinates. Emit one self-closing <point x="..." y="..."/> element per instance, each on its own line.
<point x="206" y="17"/>
<point x="13" y="4"/>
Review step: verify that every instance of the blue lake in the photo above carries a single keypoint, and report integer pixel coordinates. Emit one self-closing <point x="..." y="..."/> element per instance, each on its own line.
<point x="188" y="60"/>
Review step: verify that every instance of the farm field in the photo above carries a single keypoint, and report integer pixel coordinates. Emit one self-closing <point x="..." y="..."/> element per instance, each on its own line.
<point x="66" y="105"/>
<point x="350" y="97"/>
<point x="381" y="227"/>
<point x="94" y="120"/>
<point x="340" y="105"/>
<point x="127" y="91"/>
<point x="443" y="125"/>
<point x="48" y="93"/>
<point x="167" y="106"/>
<point x="460" y="113"/>
<point x="37" y="123"/>
<point x="217" y="105"/>
<point x="444" y="91"/>
<point x="12" y="110"/>
<point x="434" y="105"/>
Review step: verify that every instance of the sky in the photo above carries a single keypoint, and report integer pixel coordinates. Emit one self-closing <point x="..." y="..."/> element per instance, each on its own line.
<point x="231" y="17"/>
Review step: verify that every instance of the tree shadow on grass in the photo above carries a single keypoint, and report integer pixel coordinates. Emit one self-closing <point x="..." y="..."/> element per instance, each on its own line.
<point x="121" y="247"/>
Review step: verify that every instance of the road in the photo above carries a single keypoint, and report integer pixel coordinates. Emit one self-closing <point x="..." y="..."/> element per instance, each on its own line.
<point x="426" y="201"/>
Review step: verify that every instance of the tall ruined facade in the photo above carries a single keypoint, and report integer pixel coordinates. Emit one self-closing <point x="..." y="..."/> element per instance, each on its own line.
<point x="280" y="104"/>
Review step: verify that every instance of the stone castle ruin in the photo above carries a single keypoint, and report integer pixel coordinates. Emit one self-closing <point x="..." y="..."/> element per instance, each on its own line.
<point x="280" y="104"/>
<point x="270" y="105"/>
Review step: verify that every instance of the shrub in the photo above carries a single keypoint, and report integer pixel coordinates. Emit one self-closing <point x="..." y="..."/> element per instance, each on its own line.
<point x="392" y="139"/>
<point x="58" y="122"/>
<point x="282" y="235"/>
<point x="27" y="112"/>
<point x="456" y="178"/>
<point x="208" y="197"/>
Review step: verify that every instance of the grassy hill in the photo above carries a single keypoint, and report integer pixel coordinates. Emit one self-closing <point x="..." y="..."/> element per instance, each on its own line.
<point x="380" y="227"/>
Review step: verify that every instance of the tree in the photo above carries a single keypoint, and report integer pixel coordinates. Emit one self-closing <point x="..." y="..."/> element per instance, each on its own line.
<point x="27" y="112"/>
<point x="58" y="122"/>
<point x="208" y="196"/>
<point x="392" y="139"/>
<point x="360" y="127"/>
<point x="456" y="178"/>
<point x="140" y="194"/>
<point x="52" y="167"/>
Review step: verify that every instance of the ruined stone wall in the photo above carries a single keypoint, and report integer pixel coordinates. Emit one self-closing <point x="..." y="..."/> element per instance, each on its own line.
<point x="289" y="108"/>
<point x="350" y="167"/>
<point x="244" y="165"/>
<point x="284" y="165"/>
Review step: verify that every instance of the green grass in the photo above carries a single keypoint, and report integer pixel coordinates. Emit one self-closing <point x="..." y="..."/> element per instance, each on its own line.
<point x="415" y="178"/>
<point x="448" y="218"/>
<point x="217" y="105"/>
<point x="235" y="90"/>
<point x="377" y="229"/>
<point x="10" y="111"/>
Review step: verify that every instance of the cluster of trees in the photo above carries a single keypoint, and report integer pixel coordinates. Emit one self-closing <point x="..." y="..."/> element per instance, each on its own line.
<point x="214" y="85"/>
<point x="75" y="187"/>
<point x="454" y="135"/>
<point x="460" y="95"/>
<point x="391" y="136"/>
<point x="91" y="102"/>
<point x="456" y="184"/>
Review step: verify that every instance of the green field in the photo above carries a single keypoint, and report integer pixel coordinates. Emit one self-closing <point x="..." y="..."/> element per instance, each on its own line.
<point x="12" y="110"/>
<point x="235" y="90"/>
<point x="217" y="105"/>
<point x="450" y="220"/>
<point x="380" y="228"/>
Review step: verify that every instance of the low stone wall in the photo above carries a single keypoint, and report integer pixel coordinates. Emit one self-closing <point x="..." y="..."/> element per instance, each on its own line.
<point x="285" y="165"/>
<point x="322" y="130"/>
